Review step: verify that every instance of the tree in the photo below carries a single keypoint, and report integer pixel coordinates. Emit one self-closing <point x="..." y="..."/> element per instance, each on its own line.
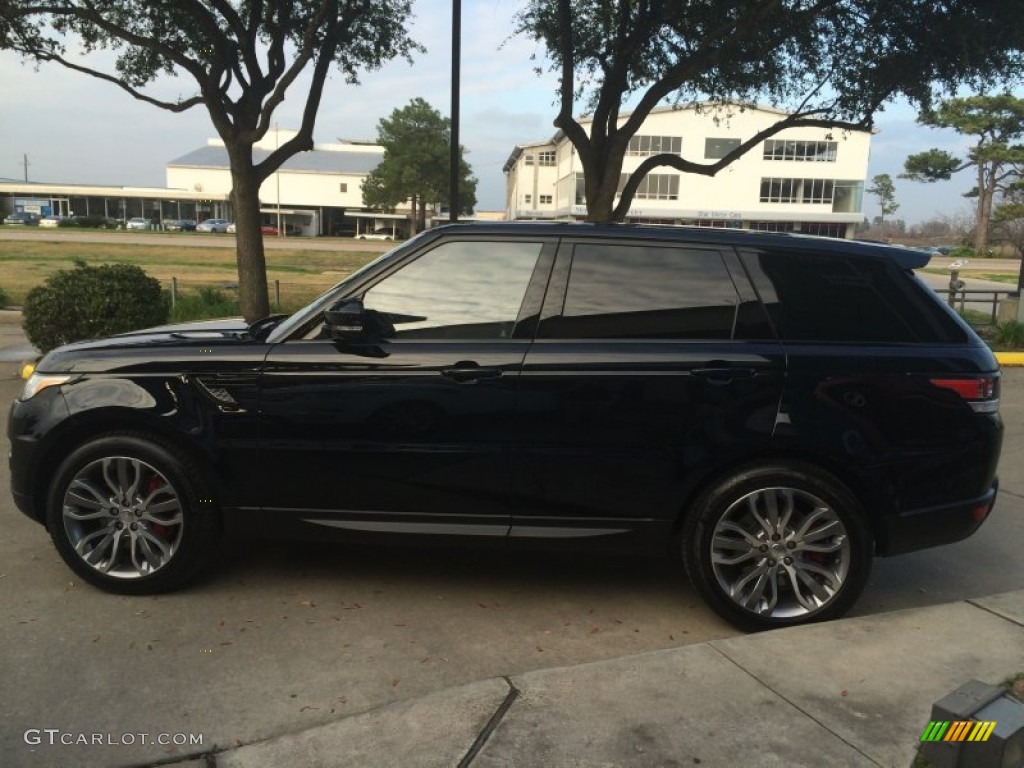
<point x="243" y="55"/>
<point x="1008" y="218"/>
<point x="416" y="141"/>
<point x="836" y="62"/>
<point x="996" y="122"/>
<point x="882" y="187"/>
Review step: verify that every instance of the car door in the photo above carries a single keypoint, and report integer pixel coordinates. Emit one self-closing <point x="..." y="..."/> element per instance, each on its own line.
<point x="654" y="364"/>
<point x="408" y="432"/>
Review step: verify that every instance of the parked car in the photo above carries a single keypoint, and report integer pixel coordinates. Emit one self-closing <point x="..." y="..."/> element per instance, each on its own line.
<point x="775" y="409"/>
<point x="232" y="228"/>
<point x="377" y="234"/>
<point x="138" y="223"/>
<point x="290" y="230"/>
<point x="94" y="222"/>
<point x="180" y="225"/>
<point x="20" y="217"/>
<point x="52" y="221"/>
<point x="267" y="229"/>
<point x="213" y="225"/>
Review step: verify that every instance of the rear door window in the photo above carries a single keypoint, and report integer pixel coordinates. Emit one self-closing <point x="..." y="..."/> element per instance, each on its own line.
<point x="645" y="292"/>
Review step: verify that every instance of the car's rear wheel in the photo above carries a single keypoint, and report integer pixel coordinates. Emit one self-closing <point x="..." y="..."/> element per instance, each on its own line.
<point x="777" y="545"/>
<point x="130" y="515"/>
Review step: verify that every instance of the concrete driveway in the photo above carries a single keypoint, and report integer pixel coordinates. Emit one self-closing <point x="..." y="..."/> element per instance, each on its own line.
<point x="286" y="636"/>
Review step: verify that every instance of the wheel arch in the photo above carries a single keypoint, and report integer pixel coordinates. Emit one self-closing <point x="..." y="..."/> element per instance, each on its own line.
<point x="105" y="422"/>
<point x="857" y="485"/>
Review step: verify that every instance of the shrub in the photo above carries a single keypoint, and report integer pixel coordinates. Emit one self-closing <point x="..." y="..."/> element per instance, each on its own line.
<point x="4" y="298"/>
<point x="206" y="303"/>
<point x="91" y="302"/>
<point x="1010" y="334"/>
<point x="962" y="252"/>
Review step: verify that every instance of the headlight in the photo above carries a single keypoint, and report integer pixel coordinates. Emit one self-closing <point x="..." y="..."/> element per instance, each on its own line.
<point x="37" y="382"/>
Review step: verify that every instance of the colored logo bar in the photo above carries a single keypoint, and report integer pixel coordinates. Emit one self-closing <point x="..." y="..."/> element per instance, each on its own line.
<point x="958" y="730"/>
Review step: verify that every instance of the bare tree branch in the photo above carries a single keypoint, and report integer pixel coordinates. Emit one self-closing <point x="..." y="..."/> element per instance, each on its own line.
<point x="170" y="106"/>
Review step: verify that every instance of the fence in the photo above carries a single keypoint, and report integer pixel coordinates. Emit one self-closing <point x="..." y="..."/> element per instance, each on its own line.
<point x="988" y="307"/>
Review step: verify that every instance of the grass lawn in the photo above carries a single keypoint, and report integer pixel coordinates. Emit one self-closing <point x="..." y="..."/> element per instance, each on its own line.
<point x="998" y="277"/>
<point x="303" y="274"/>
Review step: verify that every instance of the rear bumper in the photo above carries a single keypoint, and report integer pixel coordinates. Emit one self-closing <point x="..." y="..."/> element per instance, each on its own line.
<point x="934" y="526"/>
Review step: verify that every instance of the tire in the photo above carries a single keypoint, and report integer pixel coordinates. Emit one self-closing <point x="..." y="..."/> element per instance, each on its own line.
<point x="777" y="545"/>
<point x="131" y="515"/>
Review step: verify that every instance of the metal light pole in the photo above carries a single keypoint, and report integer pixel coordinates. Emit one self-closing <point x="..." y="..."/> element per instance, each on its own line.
<point x="453" y="207"/>
<point x="277" y="176"/>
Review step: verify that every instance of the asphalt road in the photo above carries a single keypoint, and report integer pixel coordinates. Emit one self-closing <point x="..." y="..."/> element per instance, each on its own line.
<point x="284" y="636"/>
<point x="189" y="239"/>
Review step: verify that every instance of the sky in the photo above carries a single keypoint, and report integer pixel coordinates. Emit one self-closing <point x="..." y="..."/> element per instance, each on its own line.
<point x="76" y="129"/>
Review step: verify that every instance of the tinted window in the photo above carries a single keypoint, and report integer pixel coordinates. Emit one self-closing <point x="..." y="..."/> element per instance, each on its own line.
<point x="645" y="292"/>
<point x="469" y="290"/>
<point x="831" y="297"/>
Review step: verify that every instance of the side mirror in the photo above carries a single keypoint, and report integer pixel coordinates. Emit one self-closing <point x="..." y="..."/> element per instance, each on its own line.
<point x="349" y="320"/>
<point x="346" y="320"/>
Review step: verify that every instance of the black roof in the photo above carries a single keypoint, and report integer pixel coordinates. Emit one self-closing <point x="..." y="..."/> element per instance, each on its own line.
<point x="907" y="258"/>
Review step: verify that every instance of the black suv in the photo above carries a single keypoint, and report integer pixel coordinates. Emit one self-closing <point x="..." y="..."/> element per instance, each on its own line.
<point x="776" y="409"/>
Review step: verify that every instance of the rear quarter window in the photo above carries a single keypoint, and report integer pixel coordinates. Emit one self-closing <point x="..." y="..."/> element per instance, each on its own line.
<point x="835" y="297"/>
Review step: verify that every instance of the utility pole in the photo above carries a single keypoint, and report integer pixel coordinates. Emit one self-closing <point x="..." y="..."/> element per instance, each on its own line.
<point x="25" y="163"/>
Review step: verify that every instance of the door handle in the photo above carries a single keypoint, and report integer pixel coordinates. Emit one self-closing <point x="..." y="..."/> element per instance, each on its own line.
<point x="724" y="375"/>
<point x="470" y="372"/>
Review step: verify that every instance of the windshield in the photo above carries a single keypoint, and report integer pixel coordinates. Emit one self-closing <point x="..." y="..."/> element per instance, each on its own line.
<point x="321" y="303"/>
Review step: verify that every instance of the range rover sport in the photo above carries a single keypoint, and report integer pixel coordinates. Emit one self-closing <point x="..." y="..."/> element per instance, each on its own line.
<point x="775" y="409"/>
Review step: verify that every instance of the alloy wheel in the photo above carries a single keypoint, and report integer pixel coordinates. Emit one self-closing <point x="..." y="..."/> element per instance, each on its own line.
<point x="122" y="517"/>
<point x="780" y="553"/>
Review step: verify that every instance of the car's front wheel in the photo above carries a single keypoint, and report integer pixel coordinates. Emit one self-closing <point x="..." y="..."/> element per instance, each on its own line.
<point x="777" y="545"/>
<point x="130" y="515"/>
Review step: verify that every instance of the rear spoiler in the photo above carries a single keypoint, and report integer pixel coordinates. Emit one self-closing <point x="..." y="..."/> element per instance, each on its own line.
<point x="907" y="258"/>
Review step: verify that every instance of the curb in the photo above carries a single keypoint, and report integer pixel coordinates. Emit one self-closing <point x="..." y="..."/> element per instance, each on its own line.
<point x="1010" y="359"/>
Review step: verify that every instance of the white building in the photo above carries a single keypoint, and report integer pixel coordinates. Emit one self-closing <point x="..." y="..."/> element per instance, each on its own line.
<point x="802" y="179"/>
<point x="319" y="192"/>
<point x="316" y="190"/>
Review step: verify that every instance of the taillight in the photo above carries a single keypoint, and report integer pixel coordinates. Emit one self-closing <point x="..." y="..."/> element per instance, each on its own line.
<point x="980" y="392"/>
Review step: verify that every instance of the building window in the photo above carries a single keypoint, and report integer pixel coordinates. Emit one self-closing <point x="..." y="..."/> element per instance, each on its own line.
<point x="807" y="191"/>
<point x="546" y="158"/>
<point x="716" y="149"/>
<point x="654" y="186"/>
<point x="823" y="230"/>
<point x="528" y="159"/>
<point x="849" y="197"/>
<point x="802" y="151"/>
<point x="527" y="199"/>
<point x="343" y="187"/>
<point x="718" y="223"/>
<point x="772" y="226"/>
<point x="581" y="190"/>
<point x="654" y="145"/>
<point x="546" y="199"/>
